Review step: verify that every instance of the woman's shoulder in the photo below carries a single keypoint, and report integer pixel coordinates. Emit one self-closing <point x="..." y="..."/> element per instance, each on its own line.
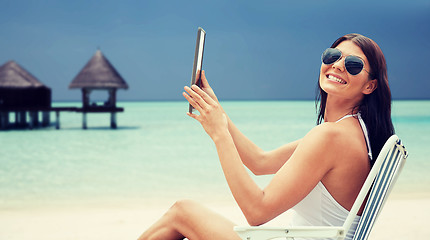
<point x="334" y="133"/>
<point x="328" y="129"/>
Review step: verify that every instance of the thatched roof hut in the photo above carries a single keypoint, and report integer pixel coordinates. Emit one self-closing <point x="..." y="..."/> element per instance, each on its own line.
<point x="13" y="75"/>
<point x="19" y="88"/>
<point x="98" y="73"/>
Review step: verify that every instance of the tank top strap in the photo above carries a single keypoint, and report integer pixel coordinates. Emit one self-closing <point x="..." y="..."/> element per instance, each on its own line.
<point x="363" y="128"/>
<point x="366" y="135"/>
<point x="347" y="116"/>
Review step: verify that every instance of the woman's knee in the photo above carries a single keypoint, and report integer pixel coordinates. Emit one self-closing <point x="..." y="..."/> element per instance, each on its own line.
<point x="183" y="208"/>
<point x="188" y="213"/>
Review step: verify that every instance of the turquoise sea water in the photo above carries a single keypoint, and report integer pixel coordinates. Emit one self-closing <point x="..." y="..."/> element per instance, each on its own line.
<point x="160" y="154"/>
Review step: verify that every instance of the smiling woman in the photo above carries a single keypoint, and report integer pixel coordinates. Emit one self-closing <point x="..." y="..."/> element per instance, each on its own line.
<point x="317" y="178"/>
<point x="375" y="107"/>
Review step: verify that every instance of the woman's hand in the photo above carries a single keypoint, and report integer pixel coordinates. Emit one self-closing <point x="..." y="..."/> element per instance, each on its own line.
<point x="212" y="116"/>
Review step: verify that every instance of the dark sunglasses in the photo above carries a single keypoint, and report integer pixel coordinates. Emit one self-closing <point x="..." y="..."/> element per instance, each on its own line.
<point x="353" y="64"/>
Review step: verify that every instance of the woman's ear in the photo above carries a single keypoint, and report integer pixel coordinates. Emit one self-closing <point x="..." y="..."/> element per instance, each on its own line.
<point x="370" y="86"/>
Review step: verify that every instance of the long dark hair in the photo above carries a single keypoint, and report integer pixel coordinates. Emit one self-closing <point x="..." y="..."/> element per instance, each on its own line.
<point x="375" y="108"/>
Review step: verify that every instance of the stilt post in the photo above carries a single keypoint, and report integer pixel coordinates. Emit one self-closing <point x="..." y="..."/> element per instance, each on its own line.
<point x="113" y="120"/>
<point x="84" y="120"/>
<point x="46" y="118"/>
<point x="57" y="119"/>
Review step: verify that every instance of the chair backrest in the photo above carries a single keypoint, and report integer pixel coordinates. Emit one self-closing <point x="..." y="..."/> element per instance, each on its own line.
<point x="380" y="180"/>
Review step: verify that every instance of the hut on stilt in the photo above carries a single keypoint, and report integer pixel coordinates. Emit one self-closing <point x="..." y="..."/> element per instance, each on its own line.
<point x="22" y="93"/>
<point x="99" y="74"/>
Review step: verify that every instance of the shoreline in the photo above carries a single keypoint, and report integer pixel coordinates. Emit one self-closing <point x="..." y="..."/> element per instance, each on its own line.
<point x="402" y="217"/>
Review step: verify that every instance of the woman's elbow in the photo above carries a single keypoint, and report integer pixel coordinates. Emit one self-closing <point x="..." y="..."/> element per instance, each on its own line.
<point x="255" y="223"/>
<point x="259" y="167"/>
<point x="256" y="218"/>
<point x="257" y="171"/>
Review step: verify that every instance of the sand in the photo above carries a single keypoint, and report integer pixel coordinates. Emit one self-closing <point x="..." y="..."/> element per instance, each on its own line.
<point x="402" y="218"/>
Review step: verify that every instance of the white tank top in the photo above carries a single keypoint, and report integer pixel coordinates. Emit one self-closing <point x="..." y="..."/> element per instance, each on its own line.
<point x="319" y="208"/>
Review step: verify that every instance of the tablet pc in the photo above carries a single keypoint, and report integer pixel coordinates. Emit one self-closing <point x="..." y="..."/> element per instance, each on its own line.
<point x="198" y="61"/>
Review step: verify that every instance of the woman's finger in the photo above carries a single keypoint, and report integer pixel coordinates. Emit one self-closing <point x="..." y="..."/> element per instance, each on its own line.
<point x="205" y="83"/>
<point x="203" y="95"/>
<point x="194" y="95"/>
<point x="199" y="96"/>
<point x="195" y="116"/>
<point x="207" y="88"/>
<point x="192" y="100"/>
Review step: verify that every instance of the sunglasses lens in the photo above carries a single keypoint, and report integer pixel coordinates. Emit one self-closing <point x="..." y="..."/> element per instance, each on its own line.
<point x="330" y="55"/>
<point x="353" y="65"/>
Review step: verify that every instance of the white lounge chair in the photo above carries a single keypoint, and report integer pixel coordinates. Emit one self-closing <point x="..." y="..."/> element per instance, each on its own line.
<point x="380" y="181"/>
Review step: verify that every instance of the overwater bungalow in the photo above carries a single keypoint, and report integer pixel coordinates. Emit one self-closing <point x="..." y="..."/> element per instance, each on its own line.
<point x="22" y="93"/>
<point x="99" y="75"/>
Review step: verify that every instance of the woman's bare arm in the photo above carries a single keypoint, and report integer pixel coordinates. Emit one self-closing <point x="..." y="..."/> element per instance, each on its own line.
<point x="257" y="160"/>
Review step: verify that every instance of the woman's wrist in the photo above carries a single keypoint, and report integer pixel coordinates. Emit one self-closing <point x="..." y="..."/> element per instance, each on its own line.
<point x="220" y="136"/>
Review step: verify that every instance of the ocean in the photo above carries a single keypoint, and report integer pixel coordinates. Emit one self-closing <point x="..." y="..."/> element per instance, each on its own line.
<point x="159" y="154"/>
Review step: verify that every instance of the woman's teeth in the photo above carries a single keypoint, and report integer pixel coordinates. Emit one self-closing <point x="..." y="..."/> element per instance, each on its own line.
<point x="336" y="79"/>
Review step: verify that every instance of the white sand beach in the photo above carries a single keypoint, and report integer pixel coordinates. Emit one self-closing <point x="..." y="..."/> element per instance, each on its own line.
<point x="402" y="218"/>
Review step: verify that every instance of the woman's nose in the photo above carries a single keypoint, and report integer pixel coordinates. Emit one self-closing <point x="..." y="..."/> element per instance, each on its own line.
<point x="339" y="64"/>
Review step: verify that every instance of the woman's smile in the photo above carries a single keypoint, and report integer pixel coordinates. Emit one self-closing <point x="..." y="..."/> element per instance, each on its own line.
<point x="336" y="79"/>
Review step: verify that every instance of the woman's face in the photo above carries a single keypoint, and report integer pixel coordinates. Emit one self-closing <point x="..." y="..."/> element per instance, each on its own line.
<point x="336" y="81"/>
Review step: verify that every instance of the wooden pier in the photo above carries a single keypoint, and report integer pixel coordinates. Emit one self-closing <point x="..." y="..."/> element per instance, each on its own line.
<point x="111" y="110"/>
<point x="30" y="117"/>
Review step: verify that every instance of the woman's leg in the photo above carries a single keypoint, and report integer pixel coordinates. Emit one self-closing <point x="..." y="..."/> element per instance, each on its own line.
<point x="188" y="219"/>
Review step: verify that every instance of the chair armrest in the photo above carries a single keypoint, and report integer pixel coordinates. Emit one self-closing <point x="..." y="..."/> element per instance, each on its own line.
<point x="259" y="233"/>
